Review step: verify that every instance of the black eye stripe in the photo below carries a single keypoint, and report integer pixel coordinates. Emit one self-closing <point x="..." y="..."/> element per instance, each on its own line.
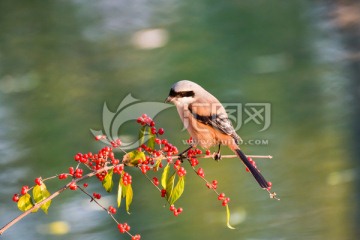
<point x="173" y="93"/>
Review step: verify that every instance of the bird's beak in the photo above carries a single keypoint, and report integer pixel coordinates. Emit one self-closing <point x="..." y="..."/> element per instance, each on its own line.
<point x="168" y="99"/>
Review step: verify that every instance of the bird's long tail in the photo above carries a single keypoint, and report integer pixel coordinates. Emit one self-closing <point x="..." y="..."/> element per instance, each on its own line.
<point x="257" y="175"/>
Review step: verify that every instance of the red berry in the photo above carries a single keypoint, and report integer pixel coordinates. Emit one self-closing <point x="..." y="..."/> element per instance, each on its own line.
<point x="163" y="192"/>
<point x="99" y="137"/>
<point x="73" y="186"/>
<point x="221" y="196"/>
<point x="153" y="130"/>
<point x="155" y="181"/>
<point x="62" y="176"/>
<point x="208" y="152"/>
<point x="161" y="131"/>
<point x="78" y="157"/>
<point x="112" y="210"/>
<point x="16" y="197"/>
<point x="96" y="195"/>
<point x="121" y="228"/>
<point x="38" y="181"/>
<point x="85" y="185"/>
<point x="24" y="190"/>
<point x="136" y="237"/>
<point x="71" y="170"/>
<point x="126" y="227"/>
<point x="172" y="208"/>
<point x="179" y="210"/>
<point x="200" y="172"/>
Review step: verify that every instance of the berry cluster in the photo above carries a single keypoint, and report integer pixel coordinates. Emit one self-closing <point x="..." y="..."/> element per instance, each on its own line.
<point x="111" y="210"/>
<point x="225" y="200"/>
<point x="123" y="227"/>
<point x="96" y="195"/>
<point x="200" y="172"/>
<point x="163" y="192"/>
<point x="96" y="161"/>
<point x="175" y="210"/>
<point x="126" y="179"/>
<point x="155" y="181"/>
<point x="212" y="185"/>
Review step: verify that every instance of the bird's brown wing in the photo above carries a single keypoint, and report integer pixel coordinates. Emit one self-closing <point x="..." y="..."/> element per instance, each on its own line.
<point x="214" y="116"/>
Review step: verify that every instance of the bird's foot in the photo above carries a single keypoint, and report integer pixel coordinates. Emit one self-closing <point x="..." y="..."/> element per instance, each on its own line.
<point x="181" y="157"/>
<point x="217" y="156"/>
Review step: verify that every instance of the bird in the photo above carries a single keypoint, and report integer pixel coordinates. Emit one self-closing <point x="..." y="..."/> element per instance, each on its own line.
<point x="207" y="122"/>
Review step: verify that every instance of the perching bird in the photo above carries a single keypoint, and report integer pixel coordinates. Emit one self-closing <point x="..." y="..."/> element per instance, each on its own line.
<point x="207" y="121"/>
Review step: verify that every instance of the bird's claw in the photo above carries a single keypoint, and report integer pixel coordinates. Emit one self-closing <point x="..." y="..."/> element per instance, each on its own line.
<point x="217" y="156"/>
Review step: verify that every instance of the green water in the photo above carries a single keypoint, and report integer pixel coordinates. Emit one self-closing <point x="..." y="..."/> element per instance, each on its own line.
<point x="61" y="60"/>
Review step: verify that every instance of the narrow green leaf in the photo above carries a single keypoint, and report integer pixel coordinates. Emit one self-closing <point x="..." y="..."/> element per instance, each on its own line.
<point x="151" y="141"/>
<point x="178" y="190"/>
<point x="157" y="165"/>
<point x="142" y="135"/>
<point x="119" y="193"/>
<point x="108" y="182"/>
<point x="129" y="197"/>
<point x="228" y="218"/>
<point x="170" y="186"/>
<point x="40" y="193"/>
<point x="25" y="202"/>
<point x="164" y="176"/>
<point x="123" y="191"/>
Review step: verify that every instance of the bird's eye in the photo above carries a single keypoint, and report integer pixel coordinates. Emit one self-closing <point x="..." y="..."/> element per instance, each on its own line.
<point x="187" y="94"/>
<point x="181" y="94"/>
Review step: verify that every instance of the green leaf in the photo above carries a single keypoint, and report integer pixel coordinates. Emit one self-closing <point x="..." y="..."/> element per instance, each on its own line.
<point x="123" y="191"/>
<point x="40" y="193"/>
<point x="151" y="141"/>
<point x="108" y="182"/>
<point x="164" y="175"/>
<point x="119" y="193"/>
<point x="157" y="165"/>
<point x="132" y="158"/>
<point x="142" y="135"/>
<point x="228" y="218"/>
<point x="129" y="197"/>
<point x="25" y="202"/>
<point x="170" y="186"/>
<point x="178" y="190"/>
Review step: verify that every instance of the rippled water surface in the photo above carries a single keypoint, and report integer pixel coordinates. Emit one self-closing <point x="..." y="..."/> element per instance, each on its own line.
<point x="61" y="60"/>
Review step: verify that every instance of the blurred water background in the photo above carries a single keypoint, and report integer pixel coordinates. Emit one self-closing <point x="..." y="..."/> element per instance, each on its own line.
<point x="61" y="60"/>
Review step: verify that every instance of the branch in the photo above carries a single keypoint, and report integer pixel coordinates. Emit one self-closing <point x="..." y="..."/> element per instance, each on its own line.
<point x="52" y="196"/>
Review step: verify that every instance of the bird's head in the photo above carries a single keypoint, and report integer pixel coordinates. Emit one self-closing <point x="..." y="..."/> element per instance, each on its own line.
<point x="184" y="92"/>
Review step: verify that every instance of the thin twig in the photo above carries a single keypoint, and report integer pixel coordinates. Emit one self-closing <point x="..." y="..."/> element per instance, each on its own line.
<point x="52" y="196"/>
